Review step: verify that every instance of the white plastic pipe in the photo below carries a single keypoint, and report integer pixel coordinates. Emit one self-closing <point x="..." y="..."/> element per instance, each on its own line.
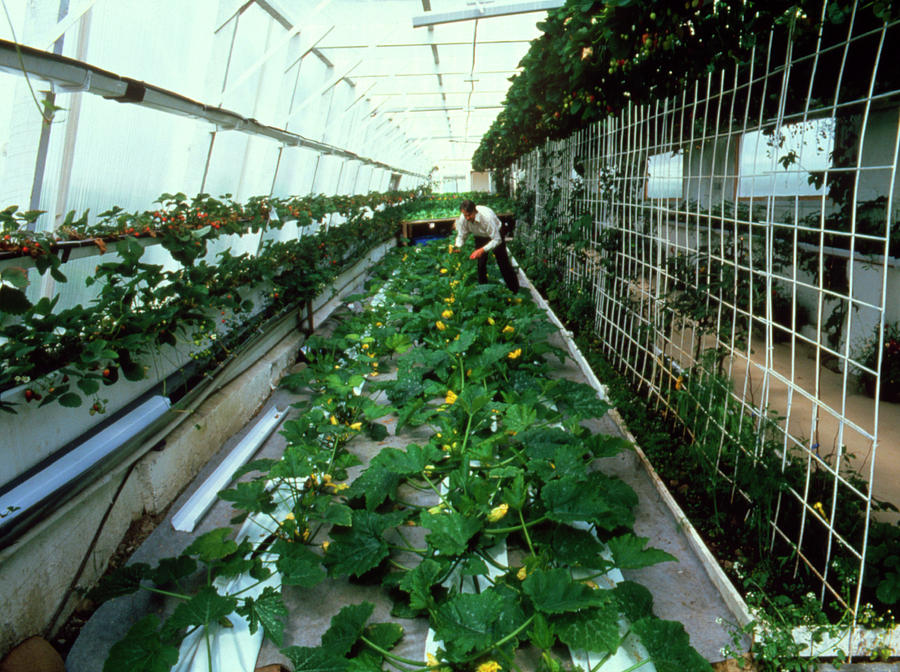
<point x="187" y="517"/>
<point x="77" y="461"/>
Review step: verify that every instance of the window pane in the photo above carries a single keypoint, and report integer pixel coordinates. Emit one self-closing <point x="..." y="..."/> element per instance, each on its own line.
<point x="779" y="164"/>
<point x="664" y="175"/>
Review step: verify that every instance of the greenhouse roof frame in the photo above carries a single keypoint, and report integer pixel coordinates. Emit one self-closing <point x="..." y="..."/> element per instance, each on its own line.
<point x="409" y="100"/>
<point x="442" y="66"/>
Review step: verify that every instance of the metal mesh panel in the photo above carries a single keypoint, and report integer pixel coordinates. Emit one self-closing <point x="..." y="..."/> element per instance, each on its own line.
<point x="735" y="246"/>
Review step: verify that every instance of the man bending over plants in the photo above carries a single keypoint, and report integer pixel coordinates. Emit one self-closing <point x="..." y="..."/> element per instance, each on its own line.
<point x="484" y="225"/>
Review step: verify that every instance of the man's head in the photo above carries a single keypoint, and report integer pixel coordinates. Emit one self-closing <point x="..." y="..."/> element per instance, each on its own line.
<point x="467" y="208"/>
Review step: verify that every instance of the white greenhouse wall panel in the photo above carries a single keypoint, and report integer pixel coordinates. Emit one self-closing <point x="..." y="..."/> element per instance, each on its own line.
<point x="112" y="163"/>
<point x="152" y="42"/>
<point x="228" y="154"/>
<point x="255" y="29"/>
<point x="295" y="172"/>
<point x="309" y="106"/>
<point x="257" y="168"/>
<point x="20" y="130"/>
<point x="327" y="175"/>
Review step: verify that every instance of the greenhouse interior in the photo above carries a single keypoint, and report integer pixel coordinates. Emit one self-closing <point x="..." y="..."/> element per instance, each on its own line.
<point x="449" y="335"/>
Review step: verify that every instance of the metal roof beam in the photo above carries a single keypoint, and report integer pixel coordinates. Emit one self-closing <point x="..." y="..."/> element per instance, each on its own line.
<point x="312" y="49"/>
<point x="453" y="73"/>
<point x="271" y="8"/>
<point x="444" y="108"/>
<point x="482" y="12"/>
<point x="64" y="24"/>
<point x="437" y="92"/>
<point x="456" y="43"/>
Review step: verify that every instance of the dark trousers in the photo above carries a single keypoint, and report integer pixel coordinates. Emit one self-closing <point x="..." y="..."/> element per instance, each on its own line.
<point x="506" y="269"/>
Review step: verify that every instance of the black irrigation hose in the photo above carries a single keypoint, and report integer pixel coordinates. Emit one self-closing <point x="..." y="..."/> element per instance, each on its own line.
<point x="48" y="631"/>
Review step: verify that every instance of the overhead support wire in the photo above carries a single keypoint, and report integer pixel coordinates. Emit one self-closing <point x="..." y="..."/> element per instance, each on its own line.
<point x="72" y="75"/>
<point x="481" y="12"/>
<point x="424" y="43"/>
<point x="449" y="73"/>
<point x="472" y="79"/>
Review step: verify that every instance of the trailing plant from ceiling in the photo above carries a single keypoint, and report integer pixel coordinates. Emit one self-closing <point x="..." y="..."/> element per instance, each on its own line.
<point x="595" y="58"/>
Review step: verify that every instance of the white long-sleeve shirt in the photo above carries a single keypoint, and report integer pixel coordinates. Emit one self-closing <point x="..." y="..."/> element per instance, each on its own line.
<point x="486" y="224"/>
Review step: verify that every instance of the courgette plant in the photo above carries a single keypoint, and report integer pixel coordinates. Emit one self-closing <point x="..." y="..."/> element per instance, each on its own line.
<point x="507" y="461"/>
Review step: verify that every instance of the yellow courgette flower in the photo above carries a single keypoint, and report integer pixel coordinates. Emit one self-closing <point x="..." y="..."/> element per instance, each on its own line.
<point x="443" y="270"/>
<point x="335" y="487"/>
<point x="449" y="299"/>
<point x="821" y="509"/>
<point x="508" y="329"/>
<point x="522" y="573"/>
<point x="489" y="666"/>
<point x="451" y="397"/>
<point x="440" y="325"/>
<point x="356" y="426"/>
<point x="678" y="383"/>
<point x="497" y="513"/>
<point x="447" y="314"/>
<point x="515" y="354"/>
<point x="491" y="321"/>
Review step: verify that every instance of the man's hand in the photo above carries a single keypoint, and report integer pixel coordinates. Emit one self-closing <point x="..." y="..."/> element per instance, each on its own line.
<point x="477" y="253"/>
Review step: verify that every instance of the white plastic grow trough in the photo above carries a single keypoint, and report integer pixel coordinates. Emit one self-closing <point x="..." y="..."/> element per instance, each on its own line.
<point x="233" y="648"/>
<point x="187" y="517"/>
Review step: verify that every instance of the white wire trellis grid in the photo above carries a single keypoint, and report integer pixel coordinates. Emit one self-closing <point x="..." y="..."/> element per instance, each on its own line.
<point x="739" y="246"/>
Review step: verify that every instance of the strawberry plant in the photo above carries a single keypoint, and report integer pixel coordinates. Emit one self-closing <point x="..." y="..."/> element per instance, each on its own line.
<point x="443" y="206"/>
<point x="140" y="307"/>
